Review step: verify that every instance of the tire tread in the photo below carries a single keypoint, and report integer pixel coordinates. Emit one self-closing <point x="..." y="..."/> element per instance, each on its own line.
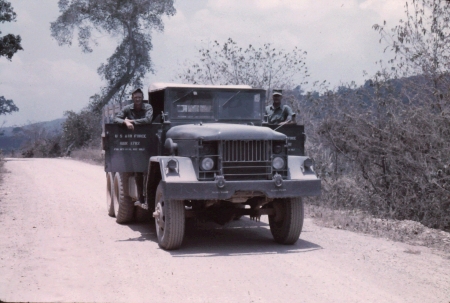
<point x="125" y="212"/>
<point x="291" y="227"/>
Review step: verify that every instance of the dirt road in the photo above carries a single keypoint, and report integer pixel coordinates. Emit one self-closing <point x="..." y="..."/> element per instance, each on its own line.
<point x="57" y="243"/>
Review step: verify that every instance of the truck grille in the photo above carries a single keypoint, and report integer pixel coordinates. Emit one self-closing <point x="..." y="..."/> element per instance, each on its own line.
<point x="246" y="160"/>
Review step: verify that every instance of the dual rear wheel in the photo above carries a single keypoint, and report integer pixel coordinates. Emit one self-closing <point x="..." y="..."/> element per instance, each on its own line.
<point x="123" y="205"/>
<point x="118" y="201"/>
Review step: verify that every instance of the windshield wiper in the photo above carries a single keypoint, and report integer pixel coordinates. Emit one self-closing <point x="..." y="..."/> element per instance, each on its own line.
<point x="230" y="98"/>
<point x="190" y="92"/>
<point x="283" y="123"/>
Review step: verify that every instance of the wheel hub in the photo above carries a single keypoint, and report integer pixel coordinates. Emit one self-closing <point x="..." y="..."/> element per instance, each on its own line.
<point x="159" y="214"/>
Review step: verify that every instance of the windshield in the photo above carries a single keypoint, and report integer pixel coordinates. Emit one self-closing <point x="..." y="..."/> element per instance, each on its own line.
<point x="192" y="104"/>
<point x="239" y="105"/>
<point x="215" y="104"/>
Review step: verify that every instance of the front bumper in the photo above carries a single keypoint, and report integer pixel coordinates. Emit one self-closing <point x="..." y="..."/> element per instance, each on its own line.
<point x="208" y="190"/>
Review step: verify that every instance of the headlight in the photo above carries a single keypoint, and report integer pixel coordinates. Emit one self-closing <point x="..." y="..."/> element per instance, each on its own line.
<point x="207" y="164"/>
<point x="278" y="163"/>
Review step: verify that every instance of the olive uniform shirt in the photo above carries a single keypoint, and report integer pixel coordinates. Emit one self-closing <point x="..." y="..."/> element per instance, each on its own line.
<point x="280" y="114"/>
<point x="142" y="116"/>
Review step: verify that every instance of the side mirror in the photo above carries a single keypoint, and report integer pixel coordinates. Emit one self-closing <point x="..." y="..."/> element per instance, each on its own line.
<point x="164" y="117"/>
<point x="294" y="115"/>
<point x="170" y="147"/>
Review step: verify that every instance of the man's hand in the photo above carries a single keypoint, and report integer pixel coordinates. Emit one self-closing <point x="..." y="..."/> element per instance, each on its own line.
<point x="287" y="122"/>
<point x="129" y="123"/>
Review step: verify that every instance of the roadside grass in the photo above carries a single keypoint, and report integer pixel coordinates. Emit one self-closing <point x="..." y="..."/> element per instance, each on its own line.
<point x="3" y="170"/>
<point x="89" y="155"/>
<point x="407" y="231"/>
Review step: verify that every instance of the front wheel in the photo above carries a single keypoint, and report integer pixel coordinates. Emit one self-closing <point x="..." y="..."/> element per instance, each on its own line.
<point x="287" y="223"/>
<point x="169" y="220"/>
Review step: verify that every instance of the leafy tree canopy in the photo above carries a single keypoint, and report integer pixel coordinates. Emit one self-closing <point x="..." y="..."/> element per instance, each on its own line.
<point x="420" y="41"/>
<point x="132" y="21"/>
<point x="7" y="106"/>
<point x="228" y="63"/>
<point x="10" y="43"/>
<point x="421" y="46"/>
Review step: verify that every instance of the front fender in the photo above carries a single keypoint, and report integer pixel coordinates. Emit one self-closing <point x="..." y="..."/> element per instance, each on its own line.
<point x="297" y="171"/>
<point x="184" y="171"/>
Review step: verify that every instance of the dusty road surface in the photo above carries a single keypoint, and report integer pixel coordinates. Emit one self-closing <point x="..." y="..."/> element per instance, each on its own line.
<point x="57" y="243"/>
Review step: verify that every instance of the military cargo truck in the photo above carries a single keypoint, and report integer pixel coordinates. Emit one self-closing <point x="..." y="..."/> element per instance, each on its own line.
<point x="208" y="154"/>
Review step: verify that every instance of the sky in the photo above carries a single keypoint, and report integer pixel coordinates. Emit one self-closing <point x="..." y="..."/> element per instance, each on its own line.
<point x="45" y="79"/>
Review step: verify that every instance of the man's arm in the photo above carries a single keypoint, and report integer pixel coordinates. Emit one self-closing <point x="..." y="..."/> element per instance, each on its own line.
<point x="148" y="116"/>
<point x="120" y="117"/>
<point x="288" y="113"/>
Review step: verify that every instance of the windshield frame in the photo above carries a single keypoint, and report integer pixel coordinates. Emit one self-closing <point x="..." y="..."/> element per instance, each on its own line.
<point x="219" y="97"/>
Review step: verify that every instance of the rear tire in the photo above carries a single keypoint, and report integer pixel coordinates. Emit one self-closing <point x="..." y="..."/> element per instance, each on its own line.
<point x="110" y="194"/>
<point x="287" y="223"/>
<point x="169" y="220"/>
<point x="123" y="206"/>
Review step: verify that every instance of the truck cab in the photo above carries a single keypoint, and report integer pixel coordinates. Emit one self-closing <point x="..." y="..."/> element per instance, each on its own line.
<point x="209" y="154"/>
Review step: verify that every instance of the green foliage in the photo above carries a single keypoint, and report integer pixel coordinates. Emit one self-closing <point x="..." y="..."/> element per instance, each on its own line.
<point x="420" y="44"/>
<point x="7" y="106"/>
<point x="9" y="44"/>
<point x="81" y="129"/>
<point x="265" y="67"/>
<point x="131" y="21"/>
<point x="39" y="141"/>
<point x="387" y="156"/>
<point x="384" y="147"/>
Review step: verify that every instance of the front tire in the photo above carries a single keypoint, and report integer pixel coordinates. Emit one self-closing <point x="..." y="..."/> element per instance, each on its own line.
<point x="123" y="206"/>
<point x="169" y="220"/>
<point x="287" y="223"/>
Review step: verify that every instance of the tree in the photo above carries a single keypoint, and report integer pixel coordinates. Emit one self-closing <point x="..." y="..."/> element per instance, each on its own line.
<point x="265" y="67"/>
<point x="7" y="106"/>
<point x="39" y="141"/>
<point x="81" y="129"/>
<point x="10" y="43"/>
<point x="131" y="21"/>
<point x="388" y="140"/>
<point x="420" y="44"/>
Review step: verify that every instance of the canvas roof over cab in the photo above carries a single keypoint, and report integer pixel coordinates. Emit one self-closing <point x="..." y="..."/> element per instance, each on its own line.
<point x="162" y="85"/>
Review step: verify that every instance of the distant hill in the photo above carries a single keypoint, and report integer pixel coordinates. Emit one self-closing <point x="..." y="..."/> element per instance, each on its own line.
<point x="12" y="138"/>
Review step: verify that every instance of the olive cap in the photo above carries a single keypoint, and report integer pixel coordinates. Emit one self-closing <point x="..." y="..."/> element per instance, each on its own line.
<point x="277" y="92"/>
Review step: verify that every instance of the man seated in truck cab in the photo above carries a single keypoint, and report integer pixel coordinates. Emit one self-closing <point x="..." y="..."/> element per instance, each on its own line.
<point x="279" y="114"/>
<point x="136" y="113"/>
